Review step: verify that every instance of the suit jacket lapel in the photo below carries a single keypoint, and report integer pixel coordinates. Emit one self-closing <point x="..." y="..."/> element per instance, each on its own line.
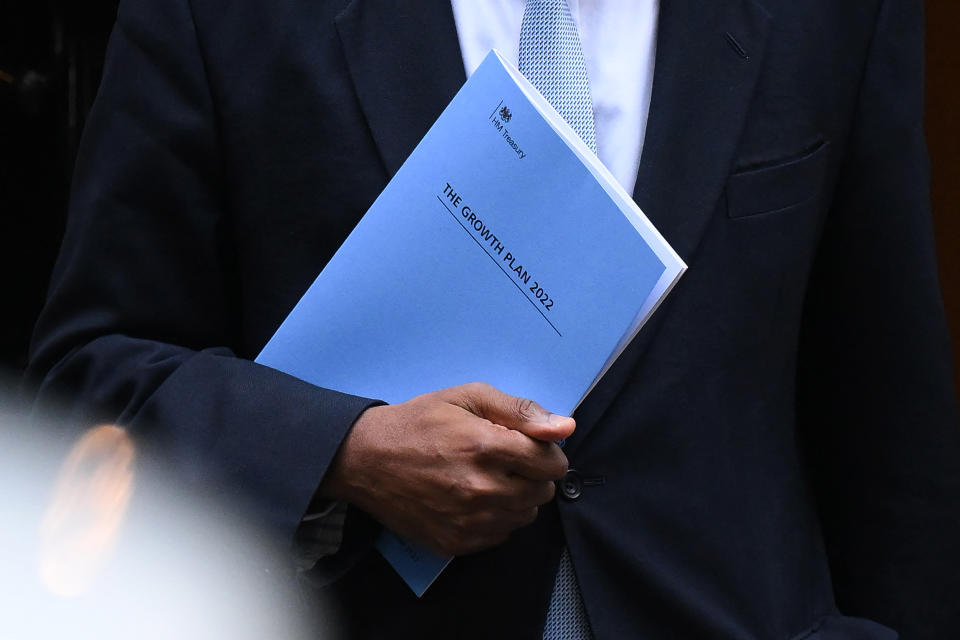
<point x="708" y="59"/>
<point x="405" y="62"/>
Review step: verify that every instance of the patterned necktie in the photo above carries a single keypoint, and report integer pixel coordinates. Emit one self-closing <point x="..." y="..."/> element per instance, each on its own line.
<point x="552" y="60"/>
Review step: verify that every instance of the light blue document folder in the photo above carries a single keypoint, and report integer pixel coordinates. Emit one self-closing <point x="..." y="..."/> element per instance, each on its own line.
<point x="502" y="251"/>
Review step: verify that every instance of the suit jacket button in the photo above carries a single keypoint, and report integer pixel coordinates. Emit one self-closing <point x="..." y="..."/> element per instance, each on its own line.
<point x="571" y="485"/>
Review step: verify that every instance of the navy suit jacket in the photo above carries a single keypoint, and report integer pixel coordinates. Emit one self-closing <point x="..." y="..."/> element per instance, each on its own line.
<point x="778" y="446"/>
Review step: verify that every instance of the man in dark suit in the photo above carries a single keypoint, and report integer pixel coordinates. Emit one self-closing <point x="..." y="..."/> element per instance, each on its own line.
<point x="778" y="446"/>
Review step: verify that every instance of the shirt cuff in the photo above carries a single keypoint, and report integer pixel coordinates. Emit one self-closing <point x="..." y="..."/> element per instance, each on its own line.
<point x="320" y="534"/>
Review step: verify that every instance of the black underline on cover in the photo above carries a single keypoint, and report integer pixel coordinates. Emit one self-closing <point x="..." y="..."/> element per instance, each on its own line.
<point x="495" y="110"/>
<point x="509" y="277"/>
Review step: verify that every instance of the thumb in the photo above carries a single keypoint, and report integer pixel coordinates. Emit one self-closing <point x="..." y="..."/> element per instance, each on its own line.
<point x="520" y="414"/>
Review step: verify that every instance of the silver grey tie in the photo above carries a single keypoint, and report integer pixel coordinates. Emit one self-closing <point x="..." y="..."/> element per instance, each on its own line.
<point x="566" y="617"/>
<point x="552" y="60"/>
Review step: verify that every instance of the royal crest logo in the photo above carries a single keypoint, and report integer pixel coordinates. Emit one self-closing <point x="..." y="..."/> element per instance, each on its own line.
<point x="505" y="114"/>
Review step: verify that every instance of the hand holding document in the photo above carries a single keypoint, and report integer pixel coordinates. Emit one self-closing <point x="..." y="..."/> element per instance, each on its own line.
<point x="502" y="251"/>
<point x="456" y="470"/>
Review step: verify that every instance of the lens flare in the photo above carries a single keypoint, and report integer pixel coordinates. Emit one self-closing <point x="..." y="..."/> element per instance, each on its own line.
<point x="83" y="520"/>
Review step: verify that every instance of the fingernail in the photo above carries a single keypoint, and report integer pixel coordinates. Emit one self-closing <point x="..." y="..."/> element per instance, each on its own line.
<point x="559" y="421"/>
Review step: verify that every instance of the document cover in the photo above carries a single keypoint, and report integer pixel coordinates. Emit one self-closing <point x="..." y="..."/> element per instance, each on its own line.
<point x="502" y="251"/>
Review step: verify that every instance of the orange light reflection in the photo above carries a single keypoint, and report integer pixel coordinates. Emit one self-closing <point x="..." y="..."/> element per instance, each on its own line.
<point x="83" y="520"/>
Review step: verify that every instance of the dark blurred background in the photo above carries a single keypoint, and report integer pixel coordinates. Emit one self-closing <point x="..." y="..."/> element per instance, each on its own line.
<point x="51" y="57"/>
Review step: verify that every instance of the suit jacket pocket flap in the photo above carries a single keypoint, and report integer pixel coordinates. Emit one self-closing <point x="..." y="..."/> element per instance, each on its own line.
<point x="777" y="187"/>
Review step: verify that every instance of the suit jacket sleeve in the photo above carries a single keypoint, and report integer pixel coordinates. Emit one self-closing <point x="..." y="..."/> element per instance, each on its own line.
<point x="876" y="401"/>
<point x="142" y="313"/>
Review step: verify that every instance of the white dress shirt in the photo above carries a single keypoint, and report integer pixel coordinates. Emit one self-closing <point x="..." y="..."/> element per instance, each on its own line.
<point x="619" y="44"/>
